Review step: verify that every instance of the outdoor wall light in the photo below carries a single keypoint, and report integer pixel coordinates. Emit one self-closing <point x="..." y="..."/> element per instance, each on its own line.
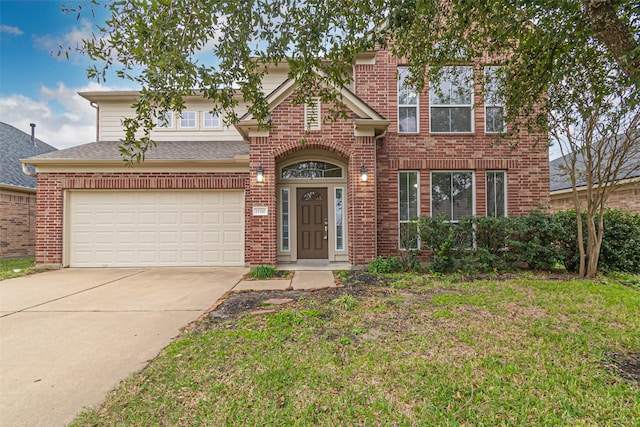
<point x="260" y="174"/>
<point x="363" y="174"/>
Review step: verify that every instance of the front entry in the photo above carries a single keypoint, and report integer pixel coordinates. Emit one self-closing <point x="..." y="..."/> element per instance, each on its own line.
<point x="313" y="225"/>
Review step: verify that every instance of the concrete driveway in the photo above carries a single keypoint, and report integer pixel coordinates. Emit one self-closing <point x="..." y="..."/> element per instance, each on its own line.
<point x="68" y="336"/>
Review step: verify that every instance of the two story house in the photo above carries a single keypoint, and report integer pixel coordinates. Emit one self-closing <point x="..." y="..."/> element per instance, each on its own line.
<point x="306" y="189"/>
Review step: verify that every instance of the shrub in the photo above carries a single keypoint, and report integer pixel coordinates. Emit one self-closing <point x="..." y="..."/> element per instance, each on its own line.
<point x="384" y="265"/>
<point x="263" y="272"/>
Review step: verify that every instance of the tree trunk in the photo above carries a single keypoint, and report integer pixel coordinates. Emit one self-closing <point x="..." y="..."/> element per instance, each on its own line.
<point x="594" y="255"/>
<point x="581" y="270"/>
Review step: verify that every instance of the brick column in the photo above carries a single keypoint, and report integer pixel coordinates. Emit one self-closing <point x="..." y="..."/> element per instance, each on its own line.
<point x="261" y="232"/>
<point x="362" y="203"/>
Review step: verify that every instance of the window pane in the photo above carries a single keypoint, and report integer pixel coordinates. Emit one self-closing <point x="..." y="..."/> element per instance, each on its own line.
<point x="441" y="194"/>
<point x="440" y="120"/>
<point x="460" y="119"/>
<point x="188" y="119"/>
<point x="455" y="86"/>
<point x="462" y="193"/>
<point x="339" y="220"/>
<point x="211" y="120"/>
<point x="494" y="119"/>
<point x="496" y="194"/>
<point x="312" y="170"/>
<point x="407" y="119"/>
<point x="165" y="120"/>
<point x="408" y="235"/>
<point x="285" y="219"/>
<point x="406" y="94"/>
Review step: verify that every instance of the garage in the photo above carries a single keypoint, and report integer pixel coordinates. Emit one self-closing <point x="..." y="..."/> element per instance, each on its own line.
<point x="160" y="228"/>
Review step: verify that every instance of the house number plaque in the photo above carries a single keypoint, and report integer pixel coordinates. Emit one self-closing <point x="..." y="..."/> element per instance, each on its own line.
<point x="260" y="211"/>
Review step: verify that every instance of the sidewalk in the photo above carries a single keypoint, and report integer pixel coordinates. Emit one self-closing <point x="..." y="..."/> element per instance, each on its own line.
<point x="302" y="280"/>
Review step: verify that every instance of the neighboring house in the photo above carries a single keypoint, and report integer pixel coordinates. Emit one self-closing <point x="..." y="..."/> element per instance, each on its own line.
<point x="625" y="196"/>
<point x="208" y="195"/>
<point x="17" y="192"/>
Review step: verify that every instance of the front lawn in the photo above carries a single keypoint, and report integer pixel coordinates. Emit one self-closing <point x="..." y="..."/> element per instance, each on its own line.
<point x="10" y="268"/>
<point x="410" y="351"/>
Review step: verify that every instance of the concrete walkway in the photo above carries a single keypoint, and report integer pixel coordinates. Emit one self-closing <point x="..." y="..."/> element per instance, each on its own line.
<point x="68" y="337"/>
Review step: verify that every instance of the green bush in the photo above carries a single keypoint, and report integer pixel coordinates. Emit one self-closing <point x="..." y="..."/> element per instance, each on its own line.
<point x="263" y="272"/>
<point x="384" y="265"/>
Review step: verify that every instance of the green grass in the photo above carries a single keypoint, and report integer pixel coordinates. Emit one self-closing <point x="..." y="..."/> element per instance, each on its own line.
<point x="10" y="268"/>
<point x="522" y="352"/>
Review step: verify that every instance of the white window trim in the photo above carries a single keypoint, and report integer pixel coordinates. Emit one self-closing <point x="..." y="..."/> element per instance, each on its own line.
<point x="404" y="221"/>
<point x="473" y="190"/>
<point x="416" y="106"/>
<point x="171" y="126"/>
<point x="195" y="120"/>
<point x="506" y="212"/>
<point x="470" y="106"/>
<point x="335" y="198"/>
<point x="317" y="123"/>
<point x="204" y="121"/>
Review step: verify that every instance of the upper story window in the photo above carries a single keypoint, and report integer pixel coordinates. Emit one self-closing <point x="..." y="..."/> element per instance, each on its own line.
<point x="451" y="100"/>
<point x="188" y="120"/>
<point x="312" y="114"/>
<point x="165" y="120"/>
<point x="407" y="104"/>
<point x="493" y="101"/>
<point x="308" y="170"/>
<point x="210" y="120"/>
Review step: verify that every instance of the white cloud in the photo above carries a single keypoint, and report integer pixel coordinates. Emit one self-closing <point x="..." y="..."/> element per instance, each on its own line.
<point x="71" y="40"/>
<point x="63" y="118"/>
<point x="11" y="30"/>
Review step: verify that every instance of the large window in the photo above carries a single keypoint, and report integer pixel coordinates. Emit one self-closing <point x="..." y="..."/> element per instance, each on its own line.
<point x="496" y="192"/>
<point x="451" y="99"/>
<point x="407" y="104"/>
<point x="452" y="194"/>
<point x="408" y="209"/>
<point x="493" y="101"/>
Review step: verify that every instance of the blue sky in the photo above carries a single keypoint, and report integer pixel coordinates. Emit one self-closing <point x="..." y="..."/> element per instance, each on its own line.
<point x="38" y="87"/>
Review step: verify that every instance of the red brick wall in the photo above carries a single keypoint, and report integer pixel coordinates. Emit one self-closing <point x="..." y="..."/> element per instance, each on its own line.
<point x="17" y="223"/>
<point x="288" y="136"/>
<point x="49" y="214"/>
<point x="526" y="166"/>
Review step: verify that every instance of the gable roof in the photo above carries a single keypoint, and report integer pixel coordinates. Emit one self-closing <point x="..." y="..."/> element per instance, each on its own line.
<point x="108" y="152"/>
<point x="16" y="145"/>
<point x="559" y="179"/>
<point x="364" y="114"/>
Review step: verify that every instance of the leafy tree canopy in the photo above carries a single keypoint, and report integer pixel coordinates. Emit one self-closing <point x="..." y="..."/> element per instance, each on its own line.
<point x="156" y="43"/>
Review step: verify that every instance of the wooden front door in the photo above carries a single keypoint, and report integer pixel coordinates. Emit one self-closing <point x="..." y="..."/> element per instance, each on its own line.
<point x="313" y="225"/>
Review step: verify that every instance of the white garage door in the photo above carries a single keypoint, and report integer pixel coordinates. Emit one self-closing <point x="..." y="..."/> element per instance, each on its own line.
<point x="155" y="228"/>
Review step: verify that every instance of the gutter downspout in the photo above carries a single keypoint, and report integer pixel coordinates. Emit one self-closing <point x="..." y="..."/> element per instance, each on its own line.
<point x="97" y="107"/>
<point x="26" y="170"/>
<point x="379" y="137"/>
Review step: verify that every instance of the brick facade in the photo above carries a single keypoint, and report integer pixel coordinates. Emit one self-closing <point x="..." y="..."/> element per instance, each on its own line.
<point x="372" y="206"/>
<point x="526" y="166"/>
<point x="17" y="223"/>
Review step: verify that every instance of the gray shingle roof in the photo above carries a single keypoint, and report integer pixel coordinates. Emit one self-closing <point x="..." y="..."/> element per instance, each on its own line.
<point x="164" y="150"/>
<point x="16" y="145"/>
<point x="559" y="178"/>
